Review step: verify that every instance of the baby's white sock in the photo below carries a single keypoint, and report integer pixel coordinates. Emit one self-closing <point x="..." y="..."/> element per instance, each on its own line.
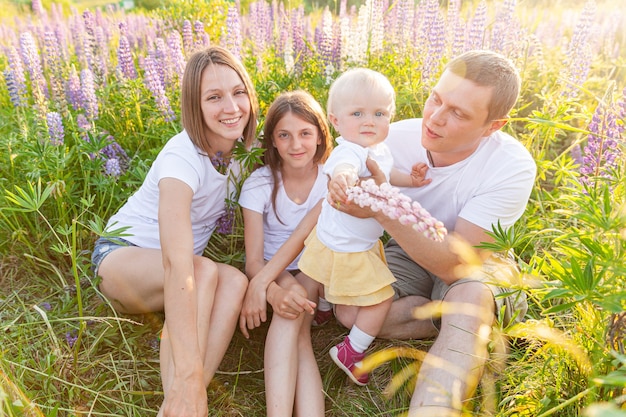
<point x="323" y="305"/>
<point x="359" y="339"/>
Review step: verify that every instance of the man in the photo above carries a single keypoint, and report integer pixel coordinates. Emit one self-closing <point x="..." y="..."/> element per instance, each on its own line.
<point x="480" y="177"/>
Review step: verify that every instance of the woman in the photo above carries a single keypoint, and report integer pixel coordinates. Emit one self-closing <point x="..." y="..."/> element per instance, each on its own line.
<point x="159" y="265"/>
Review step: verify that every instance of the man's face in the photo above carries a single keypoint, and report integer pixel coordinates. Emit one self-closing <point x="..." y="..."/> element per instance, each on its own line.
<point x="455" y="119"/>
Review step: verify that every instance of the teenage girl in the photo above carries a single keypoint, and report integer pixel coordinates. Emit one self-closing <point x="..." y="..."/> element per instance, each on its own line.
<point x="281" y="201"/>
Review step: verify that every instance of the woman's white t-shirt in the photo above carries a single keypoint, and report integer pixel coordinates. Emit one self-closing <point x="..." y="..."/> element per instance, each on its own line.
<point x="182" y="160"/>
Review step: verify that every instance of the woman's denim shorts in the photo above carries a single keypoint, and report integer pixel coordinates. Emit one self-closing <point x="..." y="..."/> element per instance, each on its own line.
<point x="103" y="247"/>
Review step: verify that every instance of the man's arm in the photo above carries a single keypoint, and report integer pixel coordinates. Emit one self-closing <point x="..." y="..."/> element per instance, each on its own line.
<point x="440" y="258"/>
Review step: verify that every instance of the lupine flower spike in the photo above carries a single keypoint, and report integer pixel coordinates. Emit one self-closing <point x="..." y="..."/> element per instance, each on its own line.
<point x="396" y="205"/>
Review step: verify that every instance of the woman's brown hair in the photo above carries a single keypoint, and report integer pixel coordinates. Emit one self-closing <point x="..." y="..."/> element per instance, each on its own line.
<point x="191" y="111"/>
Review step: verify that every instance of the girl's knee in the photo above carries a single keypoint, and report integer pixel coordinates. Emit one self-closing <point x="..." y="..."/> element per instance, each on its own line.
<point x="232" y="280"/>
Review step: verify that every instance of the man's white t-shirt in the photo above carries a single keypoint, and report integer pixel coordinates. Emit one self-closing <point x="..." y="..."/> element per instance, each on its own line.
<point x="493" y="184"/>
<point x="182" y="160"/>
<point x="256" y="195"/>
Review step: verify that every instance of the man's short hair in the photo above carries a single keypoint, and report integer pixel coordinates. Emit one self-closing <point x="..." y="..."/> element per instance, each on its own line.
<point x="490" y="69"/>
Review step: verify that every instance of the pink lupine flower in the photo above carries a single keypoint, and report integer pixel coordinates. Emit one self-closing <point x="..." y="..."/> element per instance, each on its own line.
<point x="395" y="205"/>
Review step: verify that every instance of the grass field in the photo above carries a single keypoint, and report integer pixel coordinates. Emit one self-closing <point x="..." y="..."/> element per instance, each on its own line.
<point x="81" y="121"/>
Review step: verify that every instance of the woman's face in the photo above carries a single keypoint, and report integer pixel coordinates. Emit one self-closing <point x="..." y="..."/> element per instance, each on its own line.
<point x="225" y="106"/>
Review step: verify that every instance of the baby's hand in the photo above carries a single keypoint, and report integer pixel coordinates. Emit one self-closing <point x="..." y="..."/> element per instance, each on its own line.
<point x="418" y="175"/>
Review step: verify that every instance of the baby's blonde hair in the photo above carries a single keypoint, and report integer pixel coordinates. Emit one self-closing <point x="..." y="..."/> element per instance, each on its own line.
<point x="360" y="80"/>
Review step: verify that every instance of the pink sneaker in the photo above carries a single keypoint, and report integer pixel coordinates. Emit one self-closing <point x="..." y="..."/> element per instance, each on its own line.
<point x="349" y="361"/>
<point x="322" y="317"/>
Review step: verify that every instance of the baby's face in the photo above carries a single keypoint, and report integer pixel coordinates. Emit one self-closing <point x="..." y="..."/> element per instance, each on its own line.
<point x="363" y="118"/>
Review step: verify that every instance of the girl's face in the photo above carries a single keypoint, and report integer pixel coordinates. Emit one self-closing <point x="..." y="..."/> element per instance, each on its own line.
<point x="225" y="106"/>
<point x="296" y="141"/>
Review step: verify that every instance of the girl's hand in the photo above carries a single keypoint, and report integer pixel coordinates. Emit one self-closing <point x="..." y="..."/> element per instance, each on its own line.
<point x="289" y="303"/>
<point x="254" y="310"/>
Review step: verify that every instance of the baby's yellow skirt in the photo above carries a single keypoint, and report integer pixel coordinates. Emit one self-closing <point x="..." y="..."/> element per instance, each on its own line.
<point x="349" y="278"/>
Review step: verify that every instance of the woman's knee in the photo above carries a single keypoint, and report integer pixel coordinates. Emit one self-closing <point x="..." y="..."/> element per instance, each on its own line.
<point x="205" y="273"/>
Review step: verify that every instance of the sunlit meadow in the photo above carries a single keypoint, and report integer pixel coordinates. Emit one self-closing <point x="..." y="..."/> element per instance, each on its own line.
<point x="89" y="94"/>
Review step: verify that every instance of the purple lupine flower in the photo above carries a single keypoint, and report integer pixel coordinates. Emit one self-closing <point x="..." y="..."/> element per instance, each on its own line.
<point x="202" y="38"/>
<point x="71" y="337"/>
<point x="73" y="91"/>
<point x="297" y="36"/>
<point x="187" y="37"/>
<point x="114" y="150"/>
<point x="56" y="10"/>
<point x="233" y="31"/>
<point x="38" y="9"/>
<point x="89" y="102"/>
<point x="89" y="40"/>
<point x="77" y="30"/>
<point x="456" y="28"/>
<point x="602" y="152"/>
<point x="19" y="96"/>
<point x="12" y="87"/>
<point x="579" y="55"/>
<point x="84" y="126"/>
<point x="52" y="60"/>
<point x="435" y="40"/>
<point x="116" y="160"/>
<point x="55" y="128"/>
<point x="62" y="37"/>
<point x="476" y="35"/>
<point x="400" y="23"/>
<point x="45" y="305"/>
<point x="101" y="54"/>
<point x="112" y="167"/>
<point x="283" y="36"/>
<point x="377" y="27"/>
<point x="125" y="63"/>
<point x="325" y="41"/>
<point x="224" y="224"/>
<point x="577" y="155"/>
<point x="504" y="28"/>
<point x="175" y="56"/>
<point x="30" y="57"/>
<point x="153" y="82"/>
<point x="160" y="58"/>
<point x="260" y="27"/>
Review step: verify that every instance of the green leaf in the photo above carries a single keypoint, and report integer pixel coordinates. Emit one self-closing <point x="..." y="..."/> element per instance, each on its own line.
<point x="30" y="199"/>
